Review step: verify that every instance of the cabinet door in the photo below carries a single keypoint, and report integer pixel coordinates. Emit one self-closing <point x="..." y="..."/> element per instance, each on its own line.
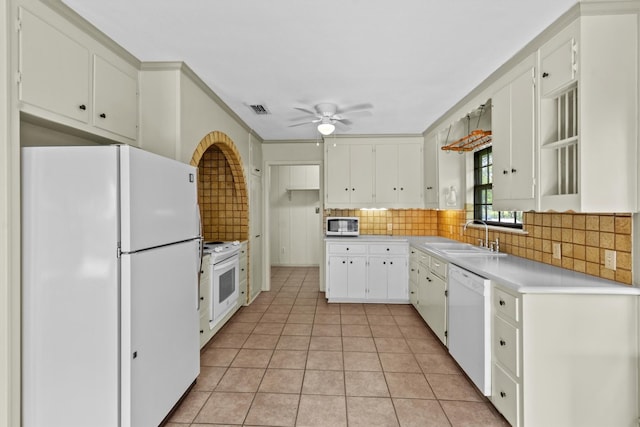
<point x="338" y="274"/>
<point x="377" y="278"/>
<point x="522" y="171"/>
<point x="361" y="168"/>
<point x="431" y="172"/>
<point x="54" y="69"/>
<point x="557" y="66"/>
<point x="397" y="282"/>
<point x="387" y="189"/>
<point x="410" y="174"/>
<point x="115" y="99"/>
<point x="435" y="306"/>
<point x="255" y="239"/>
<point x="423" y="283"/>
<point x="338" y="174"/>
<point x="501" y="129"/>
<point x="413" y="294"/>
<point x="357" y="277"/>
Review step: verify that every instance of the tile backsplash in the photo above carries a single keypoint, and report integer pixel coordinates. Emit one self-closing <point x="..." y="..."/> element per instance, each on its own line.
<point x="222" y="209"/>
<point x="583" y="237"/>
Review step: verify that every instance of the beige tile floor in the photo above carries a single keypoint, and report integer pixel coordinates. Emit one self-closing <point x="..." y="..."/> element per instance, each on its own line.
<point x="292" y="359"/>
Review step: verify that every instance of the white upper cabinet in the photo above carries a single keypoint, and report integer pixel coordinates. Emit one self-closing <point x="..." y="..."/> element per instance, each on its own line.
<point x="398" y="175"/>
<point x="589" y="116"/>
<point x="558" y="64"/>
<point x="54" y="69"/>
<point x="374" y="172"/>
<point x="349" y="175"/>
<point x="115" y="99"/>
<point x="65" y="76"/>
<point x="442" y="172"/>
<point x="513" y="127"/>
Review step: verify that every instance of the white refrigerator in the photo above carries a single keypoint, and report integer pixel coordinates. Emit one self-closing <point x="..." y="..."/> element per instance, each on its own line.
<point x="110" y="256"/>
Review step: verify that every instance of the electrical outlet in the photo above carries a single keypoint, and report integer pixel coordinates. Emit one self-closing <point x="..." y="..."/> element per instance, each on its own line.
<point x="557" y="250"/>
<point x="610" y="259"/>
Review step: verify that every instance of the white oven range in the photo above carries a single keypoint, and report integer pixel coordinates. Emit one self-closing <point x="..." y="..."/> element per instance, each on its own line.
<point x="224" y="268"/>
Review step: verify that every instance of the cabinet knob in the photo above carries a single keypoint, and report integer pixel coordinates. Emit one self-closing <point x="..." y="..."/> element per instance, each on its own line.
<point x="503" y="343"/>
<point x="344" y="262"/>
<point x="384" y="262"/>
<point x="504" y="172"/>
<point x="513" y="170"/>
<point x="429" y="188"/>
<point x="103" y="116"/>
<point x="401" y="188"/>
<point x="391" y="262"/>
<point x="502" y="302"/>
<point x="201" y="298"/>
<point x="347" y="248"/>
<point x="350" y="262"/>
<point x="394" y="188"/>
<point x="353" y="189"/>
<point x="387" y="249"/>
<point x="412" y="292"/>
<point x="346" y="189"/>
<point x="201" y="331"/>
<point x="503" y="394"/>
<point x="545" y="75"/>
<point x="82" y="107"/>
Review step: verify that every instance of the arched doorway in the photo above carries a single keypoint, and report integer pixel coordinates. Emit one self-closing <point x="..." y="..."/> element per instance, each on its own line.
<point x="222" y="189"/>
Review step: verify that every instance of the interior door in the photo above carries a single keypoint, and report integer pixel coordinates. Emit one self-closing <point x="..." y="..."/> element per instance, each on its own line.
<point x="160" y="350"/>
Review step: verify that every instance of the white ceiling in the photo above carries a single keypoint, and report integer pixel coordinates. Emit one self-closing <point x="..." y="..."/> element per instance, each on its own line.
<point x="411" y="59"/>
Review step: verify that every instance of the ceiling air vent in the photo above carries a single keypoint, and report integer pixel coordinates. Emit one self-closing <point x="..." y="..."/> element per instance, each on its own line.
<point x="259" y="109"/>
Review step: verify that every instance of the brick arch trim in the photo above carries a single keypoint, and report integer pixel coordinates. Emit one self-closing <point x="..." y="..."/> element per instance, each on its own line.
<point x="226" y="145"/>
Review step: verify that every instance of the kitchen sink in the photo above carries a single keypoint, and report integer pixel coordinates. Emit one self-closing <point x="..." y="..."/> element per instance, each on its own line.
<point x="472" y="251"/>
<point x="445" y="246"/>
<point x="462" y="249"/>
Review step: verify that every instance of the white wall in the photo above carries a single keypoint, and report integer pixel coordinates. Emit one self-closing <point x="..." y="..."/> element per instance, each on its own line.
<point x="293" y="152"/>
<point x="294" y="225"/>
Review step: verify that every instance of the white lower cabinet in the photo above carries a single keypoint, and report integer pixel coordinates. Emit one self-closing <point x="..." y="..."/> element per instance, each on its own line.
<point x="244" y="268"/>
<point x="361" y="272"/>
<point x="204" y="300"/>
<point x="428" y="280"/>
<point x="565" y="360"/>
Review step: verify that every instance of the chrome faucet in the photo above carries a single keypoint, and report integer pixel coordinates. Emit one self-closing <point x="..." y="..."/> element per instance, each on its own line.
<point x="486" y="231"/>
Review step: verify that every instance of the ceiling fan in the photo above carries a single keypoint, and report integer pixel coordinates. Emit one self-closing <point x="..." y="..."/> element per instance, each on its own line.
<point x="327" y="115"/>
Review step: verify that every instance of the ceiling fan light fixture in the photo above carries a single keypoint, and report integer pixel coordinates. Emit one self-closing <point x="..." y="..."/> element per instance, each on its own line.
<point x="326" y="128"/>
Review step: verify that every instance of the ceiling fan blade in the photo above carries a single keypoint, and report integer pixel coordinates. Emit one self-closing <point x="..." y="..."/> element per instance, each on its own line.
<point x="342" y="121"/>
<point x="360" y="114"/>
<point x="306" y="111"/>
<point x="306" y="123"/>
<point x="364" y="106"/>
<point x="300" y="124"/>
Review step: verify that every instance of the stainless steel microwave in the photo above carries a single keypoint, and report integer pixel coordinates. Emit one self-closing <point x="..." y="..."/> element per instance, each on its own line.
<point x="343" y="226"/>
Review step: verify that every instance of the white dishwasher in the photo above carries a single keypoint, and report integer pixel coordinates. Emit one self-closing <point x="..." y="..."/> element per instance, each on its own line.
<point x="469" y="335"/>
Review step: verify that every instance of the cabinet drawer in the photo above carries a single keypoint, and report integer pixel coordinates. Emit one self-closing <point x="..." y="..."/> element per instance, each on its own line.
<point x="506" y="304"/>
<point x="388" y="249"/>
<point x="505" y="394"/>
<point x="346" y="249"/>
<point x="506" y="345"/>
<point x="438" y="267"/>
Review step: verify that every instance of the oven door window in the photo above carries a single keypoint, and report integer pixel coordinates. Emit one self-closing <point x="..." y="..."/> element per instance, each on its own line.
<point x="224" y="288"/>
<point x="227" y="284"/>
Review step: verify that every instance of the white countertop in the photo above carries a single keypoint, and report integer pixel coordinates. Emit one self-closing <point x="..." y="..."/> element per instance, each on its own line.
<point x="526" y="276"/>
